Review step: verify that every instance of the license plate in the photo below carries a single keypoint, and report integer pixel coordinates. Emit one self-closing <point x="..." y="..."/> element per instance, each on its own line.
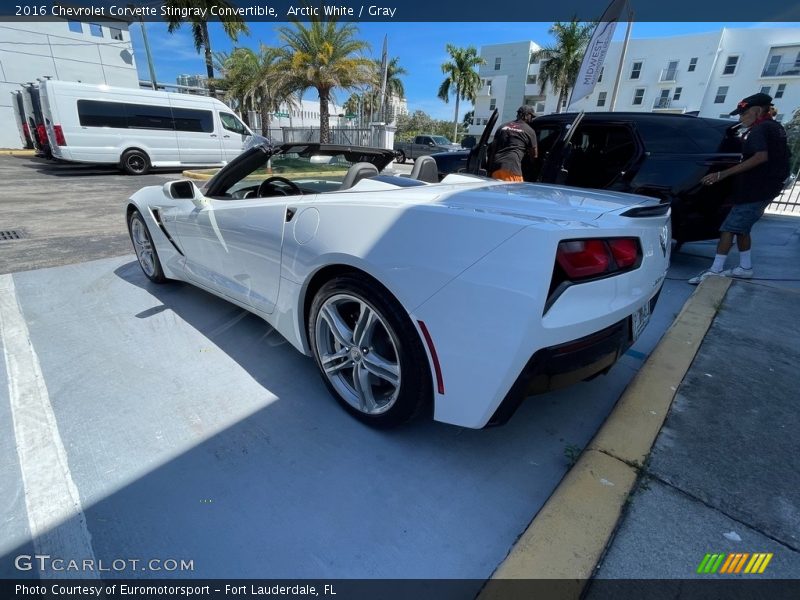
<point x="639" y="320"/>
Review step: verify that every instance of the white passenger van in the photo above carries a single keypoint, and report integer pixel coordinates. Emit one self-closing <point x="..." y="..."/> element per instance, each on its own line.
<point x="138" y="129"/>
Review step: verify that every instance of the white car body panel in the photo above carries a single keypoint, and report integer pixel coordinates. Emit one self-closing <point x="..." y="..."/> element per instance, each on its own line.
<point x="471" y="258"/>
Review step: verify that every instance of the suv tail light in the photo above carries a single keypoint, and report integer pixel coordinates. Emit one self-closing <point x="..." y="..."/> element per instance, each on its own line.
<point x="26" y="131"/>
<point x="41" y="134"/>
<point x="60" y="139"/>
<point x="589" y="259"/>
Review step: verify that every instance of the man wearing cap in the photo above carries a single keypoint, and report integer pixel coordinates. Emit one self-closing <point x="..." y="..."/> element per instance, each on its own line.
<point x="511" y="142"/>
<point x="759" y="179"/>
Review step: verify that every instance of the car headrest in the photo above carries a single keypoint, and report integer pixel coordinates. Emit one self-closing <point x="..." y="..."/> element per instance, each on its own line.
<point x="356" y="173"/>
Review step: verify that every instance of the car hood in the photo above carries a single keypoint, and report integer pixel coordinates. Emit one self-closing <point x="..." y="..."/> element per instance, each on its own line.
<point x="542" y="201"/>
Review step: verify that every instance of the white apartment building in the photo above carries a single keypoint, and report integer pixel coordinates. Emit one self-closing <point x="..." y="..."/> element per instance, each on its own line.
<point x="704" y="74"/>
<point x="96" y="52"/>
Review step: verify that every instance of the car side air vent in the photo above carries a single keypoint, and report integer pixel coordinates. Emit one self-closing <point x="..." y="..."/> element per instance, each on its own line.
<point x="654" y="210"/>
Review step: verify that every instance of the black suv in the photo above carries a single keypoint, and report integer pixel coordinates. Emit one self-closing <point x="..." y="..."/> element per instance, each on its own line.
<point x="659" y="155"/>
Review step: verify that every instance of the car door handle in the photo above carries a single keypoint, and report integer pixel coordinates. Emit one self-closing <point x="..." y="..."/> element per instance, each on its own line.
<point x="213" y="135"/>
<point x="226" y="136"/>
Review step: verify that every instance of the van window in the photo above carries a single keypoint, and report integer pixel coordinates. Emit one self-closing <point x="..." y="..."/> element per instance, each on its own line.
<point x="231" y="123"/>
<point x="144" y="116"/>
<point x="94" y="113"/>
<point x="189" y="119"/>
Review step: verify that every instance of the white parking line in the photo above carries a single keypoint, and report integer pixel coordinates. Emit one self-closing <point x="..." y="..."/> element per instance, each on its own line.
<point x="56" y="519"/>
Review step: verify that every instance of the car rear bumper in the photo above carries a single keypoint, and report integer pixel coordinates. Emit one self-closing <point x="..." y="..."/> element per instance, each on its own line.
<point x="561" y="365"/>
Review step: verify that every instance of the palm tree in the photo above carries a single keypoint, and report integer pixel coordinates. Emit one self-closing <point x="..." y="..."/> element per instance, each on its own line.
<point x="562" y="61"/>
<point x="394" y="85"/>
<point x="462" y="78"/>
<point x="233" y="26"/>
<point x="324" y="56"/>
<point x="237" y="68"/>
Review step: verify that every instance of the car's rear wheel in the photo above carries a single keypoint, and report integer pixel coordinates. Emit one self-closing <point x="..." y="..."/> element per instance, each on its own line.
<point x="144" y="248"/>
<point x="368" y="352"/>
<point x="135" y="162"/>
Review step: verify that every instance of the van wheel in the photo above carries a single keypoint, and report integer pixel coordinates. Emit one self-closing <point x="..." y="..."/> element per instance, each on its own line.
<point x="135" y="162"/>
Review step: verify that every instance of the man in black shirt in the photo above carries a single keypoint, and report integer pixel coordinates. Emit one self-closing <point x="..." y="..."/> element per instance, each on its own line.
<point x="511" y="142"/>
<point x="760" y="177"/>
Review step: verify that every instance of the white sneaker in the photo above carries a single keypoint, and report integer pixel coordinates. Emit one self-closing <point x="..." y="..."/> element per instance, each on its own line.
<point x="707" y="273"/>
<point x="738" y="272"/>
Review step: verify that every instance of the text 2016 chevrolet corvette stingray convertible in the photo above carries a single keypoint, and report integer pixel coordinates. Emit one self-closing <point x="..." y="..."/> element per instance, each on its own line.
<point x="457" y="298"/>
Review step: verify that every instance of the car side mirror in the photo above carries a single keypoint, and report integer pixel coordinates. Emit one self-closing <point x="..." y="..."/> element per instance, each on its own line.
<point x="431" y="144"/>
<point x="185" y="190"/>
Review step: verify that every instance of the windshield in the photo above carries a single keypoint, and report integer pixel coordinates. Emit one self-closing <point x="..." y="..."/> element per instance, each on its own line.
<point x="441" y="140"/>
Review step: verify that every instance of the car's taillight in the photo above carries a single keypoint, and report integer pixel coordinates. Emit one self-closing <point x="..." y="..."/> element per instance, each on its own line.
<point x="26" y="131"/>
<point x="625" y="251"/>
<point x="41" y="134"/>
<point x="583" y="258"/>
<point x="60" y="139"/>
<point x="587" y="259"/>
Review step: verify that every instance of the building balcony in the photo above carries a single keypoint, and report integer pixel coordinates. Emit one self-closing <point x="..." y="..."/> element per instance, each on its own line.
<point x="668" y="105"/>
<point x="486" y="90"/>
<point x="789" y="68"/>
<point x="668" y="76"/>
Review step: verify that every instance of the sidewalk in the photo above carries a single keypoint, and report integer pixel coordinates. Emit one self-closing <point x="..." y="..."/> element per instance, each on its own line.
<point x="724" y="476"/>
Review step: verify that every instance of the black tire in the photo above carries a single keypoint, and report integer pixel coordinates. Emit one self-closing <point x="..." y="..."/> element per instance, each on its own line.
<point x="143" y="246"/>
<point x="401" y="157"/>
<point x="135" y="162"/>
<point x="391" y="342"/>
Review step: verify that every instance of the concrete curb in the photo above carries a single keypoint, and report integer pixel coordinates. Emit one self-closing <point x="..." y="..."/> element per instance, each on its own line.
<point x="14" y="152"/>
<point x="568" y="536"/>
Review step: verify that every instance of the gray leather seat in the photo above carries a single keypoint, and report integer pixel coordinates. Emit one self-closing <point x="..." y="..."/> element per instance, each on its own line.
<point x="425" y="170"/>
<point x="356" y="173"/>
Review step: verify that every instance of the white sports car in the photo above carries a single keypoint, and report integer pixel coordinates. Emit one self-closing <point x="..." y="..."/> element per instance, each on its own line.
<point x="458" y="297"/>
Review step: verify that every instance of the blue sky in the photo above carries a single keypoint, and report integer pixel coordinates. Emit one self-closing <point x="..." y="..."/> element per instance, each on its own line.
<point x="420" y="46"/>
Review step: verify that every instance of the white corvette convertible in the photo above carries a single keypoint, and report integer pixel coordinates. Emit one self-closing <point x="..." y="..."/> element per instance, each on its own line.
<point x="458" y="298"/>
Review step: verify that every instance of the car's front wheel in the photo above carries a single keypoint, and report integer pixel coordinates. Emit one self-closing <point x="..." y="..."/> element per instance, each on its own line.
<point x="368" y="351"/>
<point x="144" y="248"/>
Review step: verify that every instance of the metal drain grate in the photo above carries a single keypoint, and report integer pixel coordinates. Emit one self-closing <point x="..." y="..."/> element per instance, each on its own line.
<point x="8" y="235"/>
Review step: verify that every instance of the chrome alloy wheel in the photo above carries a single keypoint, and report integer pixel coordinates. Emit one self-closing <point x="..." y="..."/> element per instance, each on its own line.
<point x="358" y="353"/>
<point x="143" y="246"/>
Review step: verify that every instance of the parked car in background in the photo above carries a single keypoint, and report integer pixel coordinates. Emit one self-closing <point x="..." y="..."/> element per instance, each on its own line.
<point x="139" y="129"/>
<point x="19" y="116"/>
<point x="660" y="155"/>
<point x="398" y="287"/>
<point x="31" y="103"/>
<point x="424" y="145"/>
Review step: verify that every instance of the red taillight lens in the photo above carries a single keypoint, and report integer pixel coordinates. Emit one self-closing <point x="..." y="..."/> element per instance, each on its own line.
<point x="25" y="130"/>
<point x="41" y="134"/>
<point x="583" y="258"/>
<point x="60" y="140"/>
<point x="625" y="251"/>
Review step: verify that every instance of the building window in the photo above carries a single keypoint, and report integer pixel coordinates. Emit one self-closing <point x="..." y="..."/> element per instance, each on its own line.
<point x="636" y="69"/>
<point x="677" y="94"/>
<point x="539" y="107"/>
<point x="601" y="98"/>
<point x="95" y="30"/>
<point x="780" y="90"/>
<point x="497" y="62"/>
<point x="116" y="34"/>
<point x="692" y="64"/>
<point x="492" y="104"/>
<point x="765" y="89"/>
<point x="730" y="65"/>
<point x="534" y="60"/>
<point x="531" y="79"/>
<point x="638" y="96"/>
<point x="671" y="71"/>
<point x="75" y="26"/>
<point x="722" y="92"/>
<point x="600" y="77"/>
